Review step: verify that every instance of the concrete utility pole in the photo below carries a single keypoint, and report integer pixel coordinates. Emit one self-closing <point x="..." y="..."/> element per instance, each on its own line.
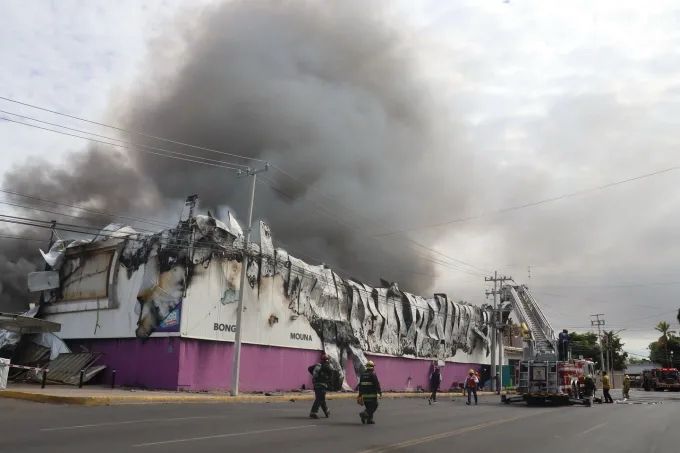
<point x="495" y="323"/>
<point x="599" y="323"/>
<point x="236" y="363"/>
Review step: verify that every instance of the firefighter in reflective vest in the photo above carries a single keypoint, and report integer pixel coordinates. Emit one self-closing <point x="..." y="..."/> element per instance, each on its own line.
<point x="626" y="387"/>
<point x="589" y="389"/>
<point x="369" y="389"/>
<point x="321" y="378"/>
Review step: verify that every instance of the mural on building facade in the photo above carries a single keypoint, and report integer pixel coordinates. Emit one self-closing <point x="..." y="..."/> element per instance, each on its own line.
<point x="350" y="317"/>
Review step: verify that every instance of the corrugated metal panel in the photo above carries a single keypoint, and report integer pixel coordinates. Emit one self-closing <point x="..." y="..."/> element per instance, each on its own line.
<point x="66" y="368"/>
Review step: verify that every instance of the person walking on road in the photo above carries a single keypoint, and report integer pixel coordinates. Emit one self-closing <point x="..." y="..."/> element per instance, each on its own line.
<point x="369" y="389"/>
<point x="606" y="386"/>
<point x="626" y="387"/>
<point x="471" y="384"/>
<point x="589" y="389"/>
<point x="321" y="378"/>
<point x="435" y="382"/>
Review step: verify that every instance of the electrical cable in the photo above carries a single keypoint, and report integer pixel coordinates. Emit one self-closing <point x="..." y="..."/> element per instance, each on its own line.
<point x="534" y="203"/>
<point x="141" y="134"/>
<point x="175" y="155"/>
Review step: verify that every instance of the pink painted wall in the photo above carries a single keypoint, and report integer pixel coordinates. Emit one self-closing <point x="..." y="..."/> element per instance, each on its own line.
<point x="198" y="365"/>
<point x="394" y="372"/>
<point x="153" y="363"/>
<point x="206" y="365"/>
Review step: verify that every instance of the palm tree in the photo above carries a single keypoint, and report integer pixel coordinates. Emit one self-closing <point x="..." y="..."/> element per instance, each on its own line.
<point x="666" y="332"/>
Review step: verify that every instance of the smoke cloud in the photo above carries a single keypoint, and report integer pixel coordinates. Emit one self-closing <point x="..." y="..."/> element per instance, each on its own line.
<point x="332" y="93"/>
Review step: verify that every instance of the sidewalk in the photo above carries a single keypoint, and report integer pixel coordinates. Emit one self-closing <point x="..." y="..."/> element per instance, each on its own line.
<point x="104" y="396"/>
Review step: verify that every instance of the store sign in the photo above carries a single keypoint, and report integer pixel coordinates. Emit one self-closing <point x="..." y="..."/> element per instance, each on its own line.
<point x="221" y="327"/>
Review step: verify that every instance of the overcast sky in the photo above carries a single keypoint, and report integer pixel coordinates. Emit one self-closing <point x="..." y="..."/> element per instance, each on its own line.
<point x="548" y="97"/>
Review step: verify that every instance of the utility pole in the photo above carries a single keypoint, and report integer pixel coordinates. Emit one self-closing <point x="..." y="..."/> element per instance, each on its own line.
<point x="495" y="323"/>
<point x="599" y="323"/>
<point x="236" y="363"/>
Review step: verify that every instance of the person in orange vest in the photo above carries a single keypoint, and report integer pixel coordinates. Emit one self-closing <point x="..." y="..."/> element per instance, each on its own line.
<point x="471" y="384"/>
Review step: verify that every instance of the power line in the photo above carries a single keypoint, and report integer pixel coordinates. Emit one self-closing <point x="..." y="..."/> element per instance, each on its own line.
<point x="175" y="155"/>
<point x="88" y="210"/>
<point x="111" y="144"/>
<point x="96" y="233"/>
<point x="615" y="286"/>
<point x="141" y="134"/>
<point x="35" y="208"/>
<point x="21" y="238"/>
<point x="180" y="156"/>
<point x="533" y="203"/>
<point x="134" y="145"/>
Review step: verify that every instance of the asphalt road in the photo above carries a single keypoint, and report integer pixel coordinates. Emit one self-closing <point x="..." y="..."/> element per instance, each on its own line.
<point x="401" y="425"/>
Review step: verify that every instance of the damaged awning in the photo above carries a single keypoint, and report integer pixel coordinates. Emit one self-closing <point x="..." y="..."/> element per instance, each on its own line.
<point x="26" y="324"/>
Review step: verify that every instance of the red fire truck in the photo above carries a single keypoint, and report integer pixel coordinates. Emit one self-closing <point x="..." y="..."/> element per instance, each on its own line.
<point x="660" y="379"/>
<point x="551" y="381"/>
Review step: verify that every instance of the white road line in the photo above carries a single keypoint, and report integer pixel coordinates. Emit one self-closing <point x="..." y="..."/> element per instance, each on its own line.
<point x="221" y="436"/>
<point x="590" y="430"/>
<point x="129" y="422"/>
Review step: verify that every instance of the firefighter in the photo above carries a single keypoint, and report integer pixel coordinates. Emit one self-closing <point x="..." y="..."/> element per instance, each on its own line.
<point x="626" y="387"/>
<point x="369" y="389"/>
<point x="435" y="382"/>
<point x="563" y="344"/>
<point x="606" y="386"/>
<point x="589" y="389"/>
<point x="471" y="384"/>
<point x="322" y="374"/>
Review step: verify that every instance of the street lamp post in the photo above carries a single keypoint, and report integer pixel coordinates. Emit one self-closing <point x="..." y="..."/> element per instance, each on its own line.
<point x="236" y="362"/>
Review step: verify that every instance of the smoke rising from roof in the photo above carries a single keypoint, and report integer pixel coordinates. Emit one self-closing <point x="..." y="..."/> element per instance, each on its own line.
<point x="331" y="93"/>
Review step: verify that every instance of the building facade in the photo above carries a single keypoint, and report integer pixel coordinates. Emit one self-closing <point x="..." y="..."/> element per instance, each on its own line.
<point x="162" y="309"/>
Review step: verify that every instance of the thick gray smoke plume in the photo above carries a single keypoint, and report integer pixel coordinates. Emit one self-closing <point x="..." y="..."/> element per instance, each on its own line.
<point x="327" y="91"/>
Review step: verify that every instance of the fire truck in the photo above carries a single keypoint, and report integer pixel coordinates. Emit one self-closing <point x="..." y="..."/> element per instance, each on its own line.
<point x="540" y="376"/>
<point x="551" y="382"/>
<point x="660" y="379"/>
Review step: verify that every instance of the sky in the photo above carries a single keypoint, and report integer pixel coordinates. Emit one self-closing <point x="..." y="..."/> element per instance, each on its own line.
<point x="546" y="98"/>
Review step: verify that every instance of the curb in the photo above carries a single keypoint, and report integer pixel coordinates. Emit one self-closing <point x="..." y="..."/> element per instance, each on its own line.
<point x="191" y="399"/>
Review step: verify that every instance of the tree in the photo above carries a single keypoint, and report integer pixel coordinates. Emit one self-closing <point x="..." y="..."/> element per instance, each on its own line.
<point x="588" y="346"/>
<point x="678" y="315"/>
<point x="666" y="350"/>
<point x="665" y="330"/>
<point x="660" y="352"/>
<point x="666" y="335"/>
<point x="614" y="346"/>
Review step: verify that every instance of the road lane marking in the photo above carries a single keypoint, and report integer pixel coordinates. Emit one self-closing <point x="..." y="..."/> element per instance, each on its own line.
<point x="129" y="422"/>
<point x="590" y="430"/>
<point x="455" y="432"/>
<point x="221" y="436"/>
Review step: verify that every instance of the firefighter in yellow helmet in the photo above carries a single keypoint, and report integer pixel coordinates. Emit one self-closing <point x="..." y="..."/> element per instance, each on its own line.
<point x="626" y="387"/>
<point x="525" y="330"/>
<point x="369" y="389"/>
